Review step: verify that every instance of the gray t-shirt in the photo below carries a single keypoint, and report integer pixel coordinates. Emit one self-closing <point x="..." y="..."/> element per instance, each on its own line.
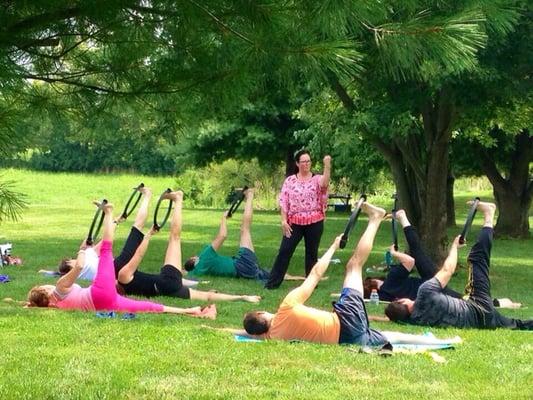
<point x="434" y="308"/>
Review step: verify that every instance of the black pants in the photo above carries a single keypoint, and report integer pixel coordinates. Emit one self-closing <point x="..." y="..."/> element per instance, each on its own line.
<point x="311" y="235"/>
<point x="425" y="266"/>
<point x="478" y="287"/>
<point x="133" y="241"/>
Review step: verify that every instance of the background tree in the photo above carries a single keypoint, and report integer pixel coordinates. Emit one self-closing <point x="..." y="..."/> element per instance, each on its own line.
<point x="441" y="44"/>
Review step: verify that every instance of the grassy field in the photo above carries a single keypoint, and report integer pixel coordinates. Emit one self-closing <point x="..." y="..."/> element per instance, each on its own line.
<point x="50" y="354"/>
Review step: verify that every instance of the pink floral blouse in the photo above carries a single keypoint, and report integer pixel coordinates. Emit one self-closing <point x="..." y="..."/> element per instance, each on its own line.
<point x="304" y="202"/>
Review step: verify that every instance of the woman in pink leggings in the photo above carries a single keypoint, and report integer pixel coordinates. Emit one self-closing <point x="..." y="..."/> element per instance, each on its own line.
<point x="102" y="294"/>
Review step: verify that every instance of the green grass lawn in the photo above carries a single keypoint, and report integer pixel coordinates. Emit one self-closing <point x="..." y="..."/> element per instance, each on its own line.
<point x="55" y="354"/>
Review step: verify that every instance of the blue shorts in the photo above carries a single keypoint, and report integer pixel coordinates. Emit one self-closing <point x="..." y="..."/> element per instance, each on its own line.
<point x="354" y="322"/>
<point x="247" y="266"/>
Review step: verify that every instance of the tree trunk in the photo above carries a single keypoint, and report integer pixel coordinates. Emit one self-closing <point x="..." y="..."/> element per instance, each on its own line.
<point x="438" y="115"/>
<point x="513" y="217"/>
<point x="513" y="194"/>
<point x="290" y="166"/>
<point x="450" y="201"/>
<point x="405" y="188"/>
<point x="419" y="165"/>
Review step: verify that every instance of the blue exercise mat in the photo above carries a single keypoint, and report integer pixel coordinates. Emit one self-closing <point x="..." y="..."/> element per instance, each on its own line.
<point x="406" y="346"/>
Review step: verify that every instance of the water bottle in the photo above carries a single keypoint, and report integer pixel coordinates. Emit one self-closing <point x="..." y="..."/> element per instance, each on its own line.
<point x="374" y="297"/>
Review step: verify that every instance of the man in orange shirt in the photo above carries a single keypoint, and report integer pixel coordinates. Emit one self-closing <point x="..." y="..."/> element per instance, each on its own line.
<point x="348" y="323"/>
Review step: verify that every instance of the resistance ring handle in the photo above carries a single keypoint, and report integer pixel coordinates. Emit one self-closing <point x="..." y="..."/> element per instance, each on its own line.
<point x="352" y="221"/>
<point x="96" y="224"/>
<point x="469" y="220"/>
<point x="132" y="201"/>
<point x="159" y="224"/>
<point x="238" y="198"/>
<point x="394" y="222"/>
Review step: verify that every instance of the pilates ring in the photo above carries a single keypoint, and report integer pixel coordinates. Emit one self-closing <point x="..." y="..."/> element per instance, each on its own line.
<point x="352" y="221"/>
<point x="238" y="197"/>
<point x="132" y="201"/>
<point x="159" y="224"/>
<point x="469" y="220"/>
<point x="96" y="224"/>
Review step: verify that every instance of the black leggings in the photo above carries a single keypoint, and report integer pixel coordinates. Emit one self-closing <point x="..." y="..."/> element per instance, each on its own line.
<point x="311" y="235"/>
<point x="478" y="287"/>
<point x="133" y="241"/>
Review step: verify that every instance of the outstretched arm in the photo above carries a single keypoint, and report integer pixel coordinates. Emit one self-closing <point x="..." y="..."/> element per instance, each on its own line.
<point x="378" y="318"/>
<point x="125" y="275"/>
<point x="448" y="268"/>
<point x="324" y="180"/>
<point x="304" y="291"/>
<point x="222" y="233"/>
<point x="214" y="296"/>
<point x="64" y="284"/>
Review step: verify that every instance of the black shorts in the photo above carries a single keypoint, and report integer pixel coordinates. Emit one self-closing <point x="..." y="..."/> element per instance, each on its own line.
<point x="354" y="328"/>
<point x="170" y="283"/>
<point x="133" y="241"/>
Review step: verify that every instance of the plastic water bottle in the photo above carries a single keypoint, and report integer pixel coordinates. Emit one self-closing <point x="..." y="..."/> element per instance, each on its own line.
<point x="374" y="297"/>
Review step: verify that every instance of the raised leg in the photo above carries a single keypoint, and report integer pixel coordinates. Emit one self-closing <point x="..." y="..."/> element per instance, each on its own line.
<point x="142" y="213"/>
<point x="173" y="254"/>
<point x="478" y="286"/>
<point x="246" y="235"/>
<point x="353" y="275"/>
<point x="103" y="290"/>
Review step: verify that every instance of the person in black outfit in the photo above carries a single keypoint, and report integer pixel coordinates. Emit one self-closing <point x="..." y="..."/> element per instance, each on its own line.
<point x="398" y="283"/>
<point x="432" y="307"/>
<point x="169" y="282"/>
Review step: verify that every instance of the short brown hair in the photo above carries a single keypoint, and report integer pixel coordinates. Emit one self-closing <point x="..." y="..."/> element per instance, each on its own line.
<point x="38" y="297"/>
<point x="397" y="311"/>
<point x="190" y="264"/>
<point x="369" y="284"/>
<point x="64" y="266"/>
<point x="255" y="323"/>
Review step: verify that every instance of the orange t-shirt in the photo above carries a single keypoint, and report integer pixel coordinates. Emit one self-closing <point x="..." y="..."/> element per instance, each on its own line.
<point x="295" y="321"/>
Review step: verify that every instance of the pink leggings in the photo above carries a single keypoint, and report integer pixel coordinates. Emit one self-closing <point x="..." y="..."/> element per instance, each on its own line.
<point x="104" y="292"/>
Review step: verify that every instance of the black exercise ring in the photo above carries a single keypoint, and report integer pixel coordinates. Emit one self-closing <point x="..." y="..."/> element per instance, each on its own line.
<point x="239" y="197"/>
<point x="158" y="225"/>
<point x="131" y="202"/>
<point x="98" y="218"/>
<point x="352" y="221"/>
<point x="469" y="220"/>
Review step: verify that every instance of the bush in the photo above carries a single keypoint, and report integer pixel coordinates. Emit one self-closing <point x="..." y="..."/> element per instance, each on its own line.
<point x="209" y="186"/>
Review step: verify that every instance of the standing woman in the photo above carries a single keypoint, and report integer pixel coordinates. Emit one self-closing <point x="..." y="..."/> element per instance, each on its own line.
<point x="303" y="201"/>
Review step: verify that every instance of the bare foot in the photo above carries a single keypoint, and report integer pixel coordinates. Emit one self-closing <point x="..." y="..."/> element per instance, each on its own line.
<point x="106" y="207"/>
<point x="373" y="212"/>
<point x="119" y="220"/>
<point x="146" y="191"/>
<point x="486" y="207"/>
<point x="249" y="193"/>
<point x="174" y="196"/>
<point x="208" y="312"/>
<point x="401" y="217"/>
<point x="508" y="303"/>
<point x="488" y="210"/>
